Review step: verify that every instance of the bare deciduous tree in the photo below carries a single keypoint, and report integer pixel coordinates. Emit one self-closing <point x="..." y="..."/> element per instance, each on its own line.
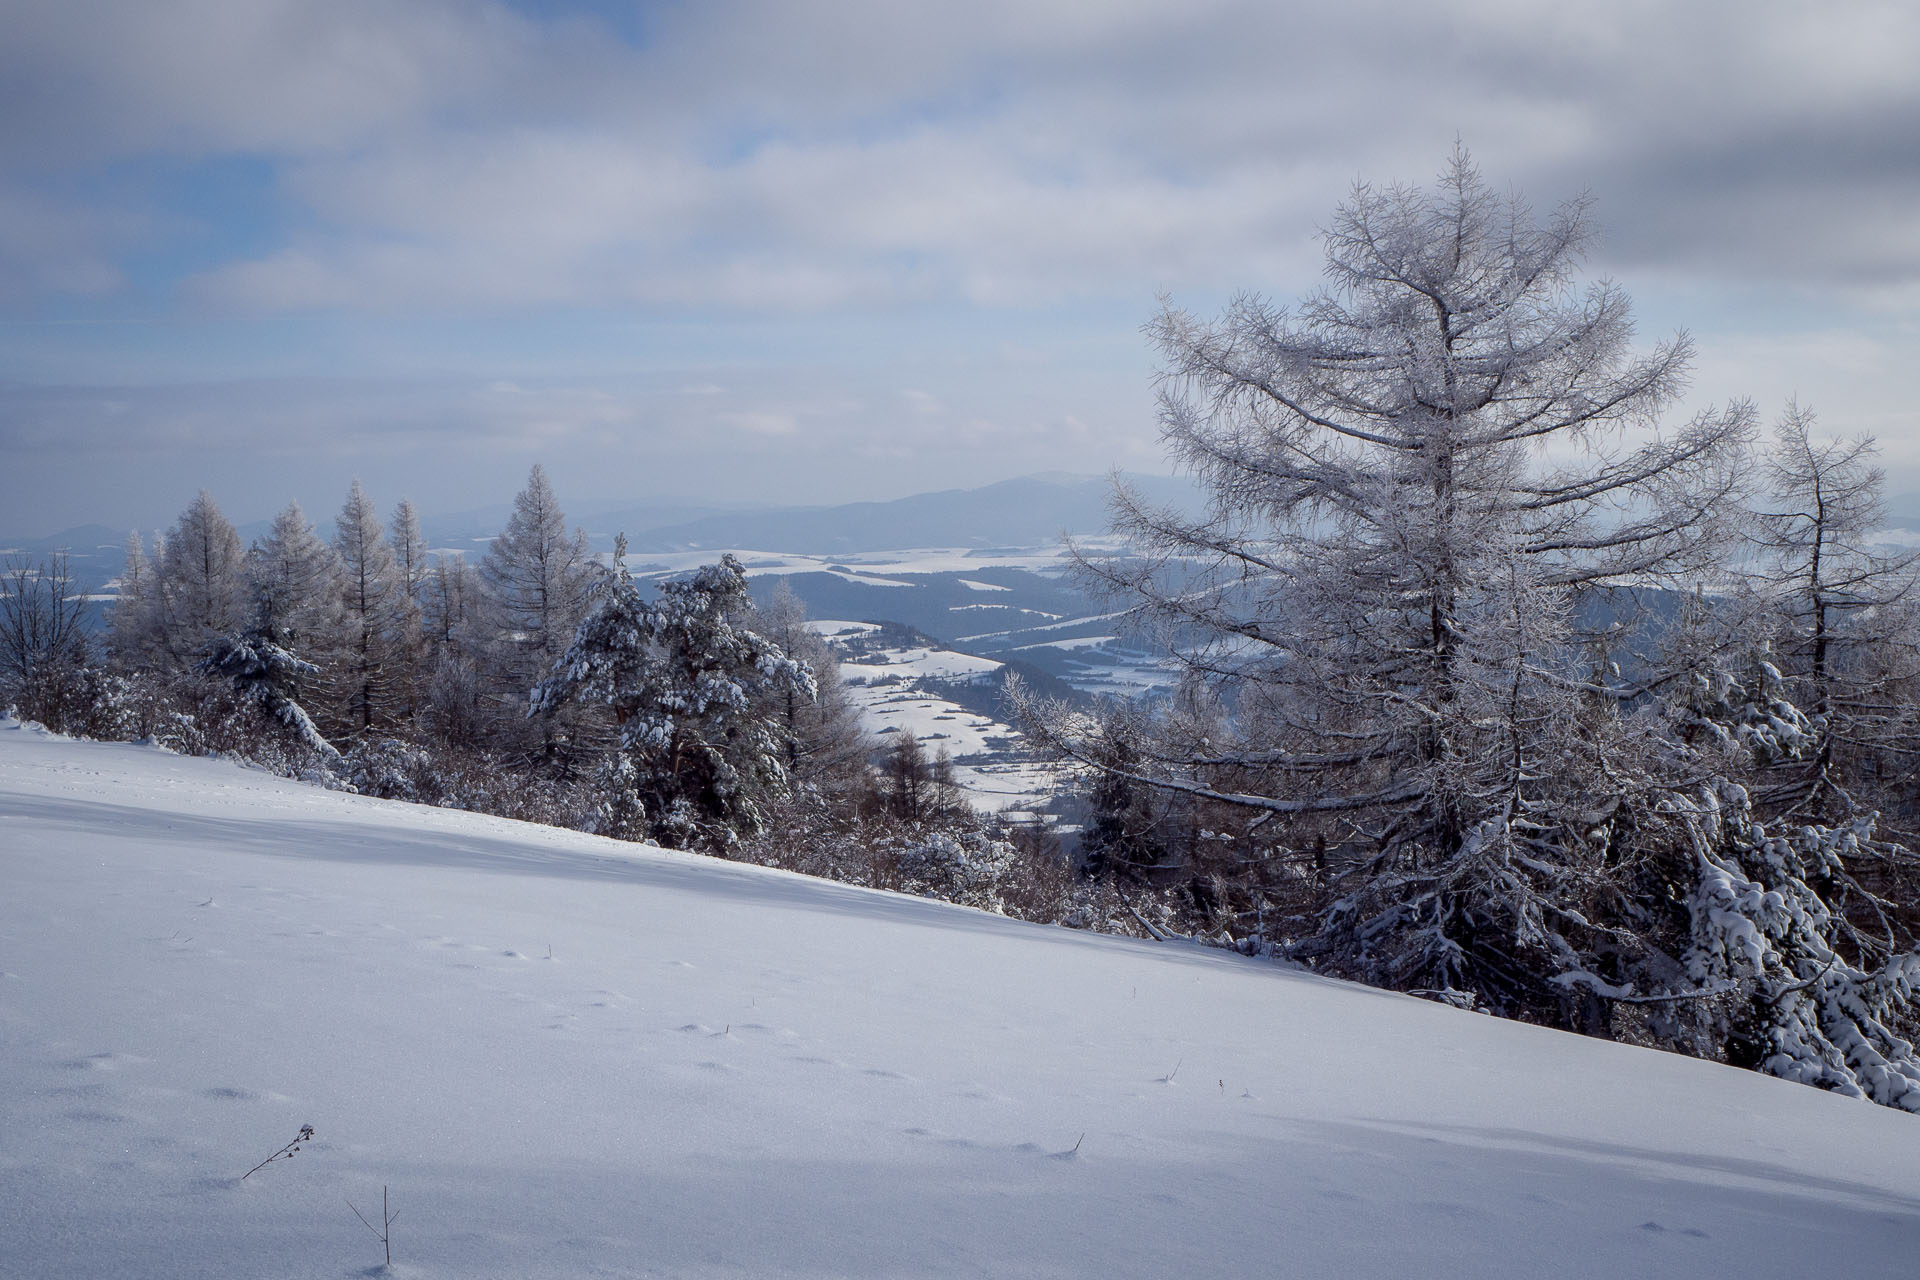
<point x="43" y="639"/>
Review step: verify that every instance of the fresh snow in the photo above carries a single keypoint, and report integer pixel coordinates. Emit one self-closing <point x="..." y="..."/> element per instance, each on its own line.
<point x="834" y="629"/>
<point x="572" y="1057"/>
<point x="867" y="579"/>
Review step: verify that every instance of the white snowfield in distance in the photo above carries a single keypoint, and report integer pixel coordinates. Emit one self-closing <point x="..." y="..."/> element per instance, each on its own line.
<point x="566" y="1056"/>
<point x="992" y="763"/>
<point x="863" y="566"/>
<point x="1103" y="665"/>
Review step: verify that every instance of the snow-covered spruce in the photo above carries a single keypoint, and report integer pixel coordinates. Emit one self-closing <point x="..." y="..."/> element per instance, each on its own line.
<point x="701" y="747"/>
<point x="1796" y="1007"/>
<point x="267" y="677"/>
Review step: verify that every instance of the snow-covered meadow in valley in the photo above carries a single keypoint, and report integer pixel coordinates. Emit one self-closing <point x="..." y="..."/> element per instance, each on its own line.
<point x="567" y="1056"/>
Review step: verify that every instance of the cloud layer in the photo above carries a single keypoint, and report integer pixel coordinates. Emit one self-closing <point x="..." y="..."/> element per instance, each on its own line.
<point x="750" y="168"/>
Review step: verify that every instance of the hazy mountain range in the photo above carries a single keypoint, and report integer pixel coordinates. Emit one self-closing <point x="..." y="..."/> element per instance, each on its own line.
<point x="1028" y="511"/>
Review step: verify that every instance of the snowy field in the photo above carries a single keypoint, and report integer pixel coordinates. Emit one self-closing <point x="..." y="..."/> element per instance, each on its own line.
<point x="571" y="1057"/>
<point x="988" y="755"/>
<point x="866" y="566"/>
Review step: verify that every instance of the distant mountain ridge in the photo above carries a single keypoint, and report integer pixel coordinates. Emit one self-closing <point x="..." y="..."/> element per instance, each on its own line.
<point x="1028" y="511"/>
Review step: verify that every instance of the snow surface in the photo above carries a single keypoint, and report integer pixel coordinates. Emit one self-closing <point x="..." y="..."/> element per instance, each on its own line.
<point x="834" y="629"/>
<point x="917" y="662"/>
<point x="1076" y="643"/>
<point x="572" y="1057"/>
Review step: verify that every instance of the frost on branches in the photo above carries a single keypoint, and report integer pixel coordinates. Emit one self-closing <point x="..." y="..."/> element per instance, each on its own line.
<point x="1763" y="930"/>
<point x="267" y="677"/>
<point x="967" y="867"/>
<point x="1421" y="479"/>
<point x="692" y="690"/>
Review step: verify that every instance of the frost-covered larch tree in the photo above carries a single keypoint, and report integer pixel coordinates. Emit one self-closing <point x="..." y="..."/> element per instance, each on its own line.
<point x="294" y="579"/>
<point x="827" y="749"/>
<point x="693" y="689"/>
<point x="449" y="603"/>
<point x="451" y="701"/>
<point x="535" y="579"/>
<point x="369" y="591"/>
<point x="1416" y="474"/>
<point x="131" y="630"/>
<point x="197" y="587"/>
<point x="412" y="569"/>
<point x="1836" y="616"/>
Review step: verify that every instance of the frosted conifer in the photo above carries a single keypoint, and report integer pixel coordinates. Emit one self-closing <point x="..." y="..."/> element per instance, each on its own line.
<point x="689" y="686"/>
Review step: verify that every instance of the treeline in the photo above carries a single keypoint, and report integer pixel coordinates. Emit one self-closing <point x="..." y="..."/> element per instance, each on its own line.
<point x="537" y="684"/>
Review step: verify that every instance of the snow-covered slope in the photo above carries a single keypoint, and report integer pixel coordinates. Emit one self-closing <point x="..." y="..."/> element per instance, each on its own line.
<point x="570" y="1057"/>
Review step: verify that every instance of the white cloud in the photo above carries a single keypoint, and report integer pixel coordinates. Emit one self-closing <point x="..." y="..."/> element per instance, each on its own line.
<point x="761" y="422"/>
<point x="818" y="155"/>
<point x="786" y="210"/>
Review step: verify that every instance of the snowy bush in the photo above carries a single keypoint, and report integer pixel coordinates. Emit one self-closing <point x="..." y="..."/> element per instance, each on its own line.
<point x="1751" y="715"/>
<point x="688" y="684"/>
<point x="619" y="811"/>
<point x="391" y="770"/>
<point x="1799" y="1008"/>
<point x="964" y="867"/>
<point x="1101" y="906"/>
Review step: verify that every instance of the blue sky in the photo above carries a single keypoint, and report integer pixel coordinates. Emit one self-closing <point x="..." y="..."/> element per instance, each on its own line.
<point x="818" y="252"/>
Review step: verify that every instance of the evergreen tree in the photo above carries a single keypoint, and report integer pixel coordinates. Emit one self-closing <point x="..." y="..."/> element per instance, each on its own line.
<point x="1121" y="835"/>
<point x="827" y="748"/>
<point x="689" y="686"/>
<point x="267" y="677"/>
<point x="1802" y="995"/>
